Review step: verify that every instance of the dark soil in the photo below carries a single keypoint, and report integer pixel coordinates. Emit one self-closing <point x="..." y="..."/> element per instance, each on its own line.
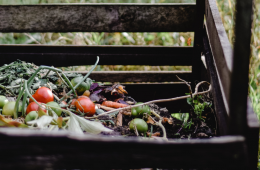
<point x="199" y="128"/>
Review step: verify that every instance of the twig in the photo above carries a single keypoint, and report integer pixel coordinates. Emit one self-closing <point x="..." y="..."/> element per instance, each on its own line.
<point x="163" y="129"/>
<point x="62" y="79"/>
<point x="180" y="129"/>
<point x="186" y="84"/>
<point x="49" y="86"/>
<point x="159" y="100"/>
<point x="56" y="97"/>
<point x="155" y="114"/>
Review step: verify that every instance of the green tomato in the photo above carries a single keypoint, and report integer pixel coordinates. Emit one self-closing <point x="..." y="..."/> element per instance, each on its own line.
<point x="140" y="124"/>
<point x="54" y="104"/>
<point x="82" y="86"/>
<point x="31" y="116"/>
<point x="3" y="101"/>
<point x="139" y="111"/>
<point x="134" y="113"/>
<point x="8" y="109"/>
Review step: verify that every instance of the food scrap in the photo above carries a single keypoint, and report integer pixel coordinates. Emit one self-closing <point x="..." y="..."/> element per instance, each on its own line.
<point x="46" y="98"/>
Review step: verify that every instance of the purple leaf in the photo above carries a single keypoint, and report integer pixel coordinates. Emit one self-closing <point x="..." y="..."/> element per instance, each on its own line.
<point x="93" y="86"/>
<point x="96" y="98"/>
<point x="108" y="89"/>
<point x="97" y="91"/>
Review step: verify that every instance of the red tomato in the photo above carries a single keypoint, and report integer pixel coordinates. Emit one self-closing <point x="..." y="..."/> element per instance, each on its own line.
<point x="84" y="97"/>
<point x="85" y="105"/>
<point x="72" y="104"/>
<point x="33" y="107"/>
<point x="43" y="95"/>
<point x="31" y="99"/>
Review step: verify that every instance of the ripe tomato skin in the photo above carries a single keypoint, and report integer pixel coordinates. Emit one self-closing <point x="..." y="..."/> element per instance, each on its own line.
<point x="31" y="100"/>
<point x="72" y="104"/>
<point x="43" y="95"/>
<point x="87" y="105"/>
<point x="33" y="107"/>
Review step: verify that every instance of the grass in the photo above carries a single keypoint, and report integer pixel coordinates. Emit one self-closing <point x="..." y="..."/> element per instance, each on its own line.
<point x="226" y="8"/>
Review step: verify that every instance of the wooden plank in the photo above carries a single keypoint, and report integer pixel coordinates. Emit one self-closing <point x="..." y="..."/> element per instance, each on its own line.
<point x="60" y="150"/>
<point x="243" y="120"/>
<point x="252" y="136"/>
<point x="198" y="44"/>
<point x="219" y="106"/>
<point x="59" y="56"/>
<point x="220" y="47"/>
<point x="98" y="18"/>
<point x="239" y="77"/>
<point x="137" y="76"/>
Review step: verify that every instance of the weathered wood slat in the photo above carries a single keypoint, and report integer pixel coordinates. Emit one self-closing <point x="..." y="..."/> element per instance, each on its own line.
<point x="98" y="18"/>
<point x="252" y="135"/>
<point x="86" y="55"/>
<point x="198" y="44"/>
<point x="63" y="150"/>
<point x="221" y="113"/>
<point x="240" y="73"/>
<point x="137" y="76"/>
<point x="220" y="47"/>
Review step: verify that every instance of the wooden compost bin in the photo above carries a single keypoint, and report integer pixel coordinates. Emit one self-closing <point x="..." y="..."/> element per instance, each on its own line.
<point x="237" y="144"/>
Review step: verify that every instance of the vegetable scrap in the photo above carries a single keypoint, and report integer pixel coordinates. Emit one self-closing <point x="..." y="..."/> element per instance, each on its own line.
<point x="46" y="98"/>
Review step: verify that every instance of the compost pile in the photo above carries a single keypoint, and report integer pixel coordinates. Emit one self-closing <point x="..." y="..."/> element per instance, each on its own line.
<point x="46" y="98"/>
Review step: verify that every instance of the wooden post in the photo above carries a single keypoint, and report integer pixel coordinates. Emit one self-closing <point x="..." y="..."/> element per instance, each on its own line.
<point x="239" y="80"/>
<point x="239" y="75"/>
<point x="198" y="43"/>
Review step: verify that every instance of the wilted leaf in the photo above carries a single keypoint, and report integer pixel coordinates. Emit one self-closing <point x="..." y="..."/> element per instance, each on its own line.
<point x="73" y="125"/>
<point x="91" y="126"/>
<point x="42" y="122"/>
<point x="150" y="120"/>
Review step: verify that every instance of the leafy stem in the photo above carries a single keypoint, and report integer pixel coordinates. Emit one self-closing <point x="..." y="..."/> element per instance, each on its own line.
<point x="84" y="78"/>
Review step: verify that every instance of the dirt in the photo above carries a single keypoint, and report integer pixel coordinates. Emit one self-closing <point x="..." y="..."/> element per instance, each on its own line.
<point x="199" y="128"/>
